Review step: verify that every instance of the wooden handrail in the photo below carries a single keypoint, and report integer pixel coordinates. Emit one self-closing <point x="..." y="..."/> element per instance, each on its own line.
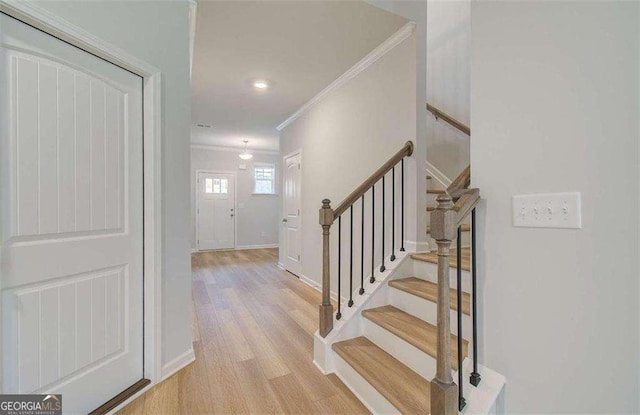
<point x="449" y="119"/>
<point x="405" y="151"/>
<point x="329" y="215"/>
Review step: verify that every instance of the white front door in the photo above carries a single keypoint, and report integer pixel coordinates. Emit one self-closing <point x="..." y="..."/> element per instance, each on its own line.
<point x="216" y="215"/>
<point x="71" y="220"/>
<point x="292" y="183"/>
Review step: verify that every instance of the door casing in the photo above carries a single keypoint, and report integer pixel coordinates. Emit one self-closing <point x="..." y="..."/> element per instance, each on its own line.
<point x="43" y="20"/>
<point x="235" y="204"/>
<point x="297" y="152"/>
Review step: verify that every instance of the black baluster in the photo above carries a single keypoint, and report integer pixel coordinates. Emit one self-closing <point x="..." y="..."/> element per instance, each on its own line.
<point x="373" y="231"/>
<point x="382" y="267"/>
<point x="402" y="206"/>
<point x="393" y="213"/>
<point x="461" y="402"/>
<point x="475" y="376"/>
<point x="351" y="259"/>
<point x="339" y="314"/>
<point x="362" y="249"/>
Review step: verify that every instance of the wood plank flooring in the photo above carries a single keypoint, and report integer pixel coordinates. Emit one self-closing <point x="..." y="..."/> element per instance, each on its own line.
<point x="253" y="327"/>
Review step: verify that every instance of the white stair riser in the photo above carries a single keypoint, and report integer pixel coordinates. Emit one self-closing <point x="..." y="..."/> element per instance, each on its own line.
<point x="429" y="272"/>
<point x="427" y="310"/>
<point x="367" y="394"/>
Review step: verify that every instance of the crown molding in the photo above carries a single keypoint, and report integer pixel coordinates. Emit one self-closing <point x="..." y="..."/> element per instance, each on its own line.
<point x="232" y="149"/>
<point x="394" y="40"/>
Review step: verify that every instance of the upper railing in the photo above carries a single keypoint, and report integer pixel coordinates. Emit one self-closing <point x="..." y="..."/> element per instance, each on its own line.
<point x="449" y="119"/>
<point x="454" y="206"/>
<point x="328" y="216"/>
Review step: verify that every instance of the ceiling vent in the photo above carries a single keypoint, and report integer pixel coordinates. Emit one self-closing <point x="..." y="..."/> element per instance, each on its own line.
<point x="203" y="125"/>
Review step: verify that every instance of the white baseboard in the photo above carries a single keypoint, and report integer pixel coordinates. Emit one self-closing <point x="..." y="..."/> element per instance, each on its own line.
<point x="243" y="247"/>
<point x="238" y="248"/>
<point x="178" y="363"/>
<point x="318" y="287"/>
<point x="438" y="175"/>
<point x="281" y="266"/>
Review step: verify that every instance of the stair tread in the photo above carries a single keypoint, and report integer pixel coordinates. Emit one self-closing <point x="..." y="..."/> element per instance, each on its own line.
<point x="436" y="191"/>
<point x="432" y="257"/>
<point x="464" y="226"/>
<point x="405" y="389"/>
<point x="413" y="330"/>
<point x="429" y="291"/>
<point x="431" y="208"/>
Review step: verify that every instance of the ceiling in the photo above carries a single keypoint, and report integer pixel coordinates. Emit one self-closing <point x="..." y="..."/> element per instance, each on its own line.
<point x="299" y="47"/>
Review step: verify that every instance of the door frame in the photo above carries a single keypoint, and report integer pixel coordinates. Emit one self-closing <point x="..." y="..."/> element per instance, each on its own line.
<point x="284" y="237"/>
<point x="51" y="24"/>
<point x="235" y="207"/>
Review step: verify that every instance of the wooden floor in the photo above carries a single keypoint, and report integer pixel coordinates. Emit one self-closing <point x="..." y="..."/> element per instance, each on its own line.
<point x="253" y="328"/>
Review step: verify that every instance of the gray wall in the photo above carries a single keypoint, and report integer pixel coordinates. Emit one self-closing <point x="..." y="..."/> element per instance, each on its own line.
<point x="256" y="222"/>
<point x="158" y="33"/>
<point x="349" y="134"/>
<point x="555" y="108"/>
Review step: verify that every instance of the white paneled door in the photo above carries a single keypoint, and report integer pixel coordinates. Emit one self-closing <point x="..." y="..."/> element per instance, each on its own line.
<point x="292" y="243"/>
<point x="71" y="220"/>
<point x="216" y="215"/>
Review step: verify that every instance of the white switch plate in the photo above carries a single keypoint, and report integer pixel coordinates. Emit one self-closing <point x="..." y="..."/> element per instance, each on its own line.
<point x="550" y="210"/>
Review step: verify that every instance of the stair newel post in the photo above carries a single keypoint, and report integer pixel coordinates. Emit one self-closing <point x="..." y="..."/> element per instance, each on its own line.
<point x="326" y="308"/>
<point x="444" y="392"/>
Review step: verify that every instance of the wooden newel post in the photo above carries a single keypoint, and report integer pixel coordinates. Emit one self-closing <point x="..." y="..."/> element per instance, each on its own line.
<point x="326" y="309"/>
<point x="444" y="392"/>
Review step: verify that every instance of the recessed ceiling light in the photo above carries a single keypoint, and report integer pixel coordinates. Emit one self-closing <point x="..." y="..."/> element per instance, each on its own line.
<point x="261" y="84"/>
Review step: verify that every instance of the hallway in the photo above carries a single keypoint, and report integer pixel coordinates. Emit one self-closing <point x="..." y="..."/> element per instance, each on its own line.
<point x="253" y="328"/>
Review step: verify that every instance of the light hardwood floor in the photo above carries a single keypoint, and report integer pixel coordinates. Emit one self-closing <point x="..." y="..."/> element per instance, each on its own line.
<point x="253" y="328"/>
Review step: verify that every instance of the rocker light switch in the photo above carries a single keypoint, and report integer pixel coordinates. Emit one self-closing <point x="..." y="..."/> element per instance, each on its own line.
<point x="550" y="210"/>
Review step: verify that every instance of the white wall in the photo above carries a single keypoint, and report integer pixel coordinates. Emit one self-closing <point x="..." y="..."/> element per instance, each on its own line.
<point x="158" y="33"/>
<point x="555" y="108"/>
<point x="347" y="136"/>
<point x="416" y="11"/>
<point x="257" y="216"/>
<point x="448" y="83"/>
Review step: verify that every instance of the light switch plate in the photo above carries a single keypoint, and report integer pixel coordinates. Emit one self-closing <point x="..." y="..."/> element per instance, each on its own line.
<point x="548" y="210"/>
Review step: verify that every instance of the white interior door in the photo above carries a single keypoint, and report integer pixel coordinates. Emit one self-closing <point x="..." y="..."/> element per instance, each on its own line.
<point x="216" y="211"/>
<point x="71" y="220"/>
<point x="292" y="184"/>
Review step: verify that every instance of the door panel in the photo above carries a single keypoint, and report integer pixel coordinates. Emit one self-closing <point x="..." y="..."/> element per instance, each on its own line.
<point x="71" y="224"/>
<point x="216" y="211"/>
<point x="292" y="183"/>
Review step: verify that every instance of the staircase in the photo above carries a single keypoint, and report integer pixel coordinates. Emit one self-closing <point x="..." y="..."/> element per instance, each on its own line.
<point x="399" y="341"/>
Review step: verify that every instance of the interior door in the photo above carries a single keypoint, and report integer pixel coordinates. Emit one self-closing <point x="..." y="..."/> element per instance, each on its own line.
<point x="71" y="220"/>
<point x="292" y="183"/>
<point x="216" y="211"/>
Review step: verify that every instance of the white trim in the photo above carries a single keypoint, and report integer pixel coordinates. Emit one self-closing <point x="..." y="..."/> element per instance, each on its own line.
<point x="232" y="149"/>
<point x="437" y="175"/>
<point x="178" y="363"/>
<point x="52" y="24"/>
<point x="235" y="213"/>
<point x="394" y="40"/>
<point x="265" y="246"/>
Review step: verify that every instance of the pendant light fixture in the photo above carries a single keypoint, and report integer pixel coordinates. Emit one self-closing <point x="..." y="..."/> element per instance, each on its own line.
<point x="245" y="155"/>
